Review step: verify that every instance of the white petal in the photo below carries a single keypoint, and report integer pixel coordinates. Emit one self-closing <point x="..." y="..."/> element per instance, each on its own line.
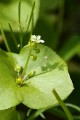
<point x="42" y="41"/>
<point x="18" y="45"/>
<point x="38" y="37"/>
<point x="33" y="37"/>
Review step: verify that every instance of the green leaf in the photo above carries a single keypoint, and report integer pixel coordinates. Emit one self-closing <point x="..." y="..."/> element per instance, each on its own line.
<point x="71" y="47"/>
<point x="9" y="13"/>
<point x="9" y="114"/>
<point x="50" y="73"/>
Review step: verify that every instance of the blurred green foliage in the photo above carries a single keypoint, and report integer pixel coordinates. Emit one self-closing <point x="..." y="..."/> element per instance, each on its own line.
<point x="9" y="13"/>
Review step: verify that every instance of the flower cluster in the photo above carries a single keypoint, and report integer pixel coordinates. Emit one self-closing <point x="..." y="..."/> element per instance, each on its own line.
<point x="37" y="39"/>
<point x="33" y="51"/>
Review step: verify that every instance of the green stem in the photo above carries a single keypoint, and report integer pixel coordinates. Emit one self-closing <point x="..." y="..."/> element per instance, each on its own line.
<point x="73" y="106"/>
<point x="15" y="41"/>
<point x="36" y="114"/>
<point x="76" y="117"/>
<point x="31" y="16"/>
<point x="19" y="20"/>
<point x="66" y="110"/>
<point x="19" y="12"/>
<point x="32" y="22"/>
<point x="20" y="36"/>
<point x="5" y="40"/>
<point x="26" y="65"/>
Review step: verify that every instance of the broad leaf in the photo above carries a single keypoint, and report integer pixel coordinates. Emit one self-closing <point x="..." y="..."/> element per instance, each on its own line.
<point x="9" y="114"/>
<point x="50" y="73"/>
<point x="9" y="13"/>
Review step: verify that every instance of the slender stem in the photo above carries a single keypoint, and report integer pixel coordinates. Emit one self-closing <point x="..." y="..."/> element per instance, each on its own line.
<point x="29" y="111"/>
<point x="20" y="36"/>
<point x="32" y="23"/>
<point x="15" y="41"/>
<point x="76" y="117"/>
<point x="26" y="65"/>
<point x="31" y="16"/>
<point x="5" y="40"/>
<point x="66" y="110"/>
<point x="19" y="20"/>
<point x="19" y="12"/>
<point x="42" y="116"/>
<point x="36" y="114"/>
<point x="73" y="106"/>
<point x="19" y="16"/>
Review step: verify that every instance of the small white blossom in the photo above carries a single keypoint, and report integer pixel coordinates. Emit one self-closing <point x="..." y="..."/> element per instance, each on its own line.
<point x="18" y="45"/>
<point x="36" y="39"/>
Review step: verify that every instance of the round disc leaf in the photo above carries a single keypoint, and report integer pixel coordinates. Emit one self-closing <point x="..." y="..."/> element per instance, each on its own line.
<point x="51" y="72"/>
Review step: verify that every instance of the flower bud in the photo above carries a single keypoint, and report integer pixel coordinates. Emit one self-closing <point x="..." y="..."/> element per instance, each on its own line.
<point x="19" y="80"/>
<point x="34" y="57"/>
<point x="17" y="68"/>
<point x="31" y="74"/>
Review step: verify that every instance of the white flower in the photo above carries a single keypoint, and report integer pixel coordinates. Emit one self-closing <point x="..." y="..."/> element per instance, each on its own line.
<point x="36" y="39"/>
<point x="18" y="45"/>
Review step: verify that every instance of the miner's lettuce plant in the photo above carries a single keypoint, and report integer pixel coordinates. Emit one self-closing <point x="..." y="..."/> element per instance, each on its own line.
<point x="36" y="77"/>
